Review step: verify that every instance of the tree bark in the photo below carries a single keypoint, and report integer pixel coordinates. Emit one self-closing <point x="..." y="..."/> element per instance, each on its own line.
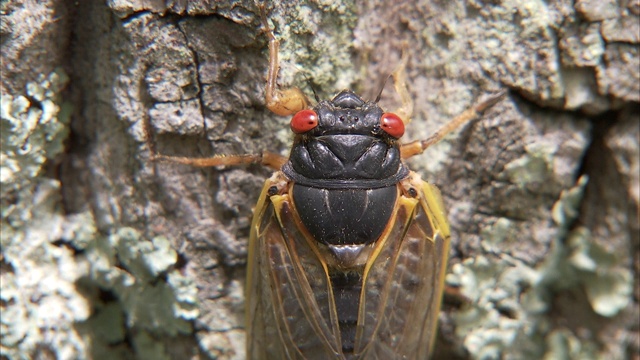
<point x="108" y="255"/>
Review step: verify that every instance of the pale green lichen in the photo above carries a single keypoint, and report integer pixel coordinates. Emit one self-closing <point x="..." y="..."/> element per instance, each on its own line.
<point x="510" y="299"/>
<point x="562" y="344"/>
<point x="308" y="41"/>
<point x="565" y="210"/>
<point x="41" y="303"/>
<point x="108" y="324"/>
<point x="44" y="307"/>
<point x="143" y="259"/>
<point x="534" y="166"/>
<point x="148" y="348"/>
<point x="132" y="269"/>
<point x="495" y="235"/>
<point x="31" y="131"/>
<point x="494" y="288"/>
<point x="80" y="230"/>
<point x="609" y="286"/>
<point x="527" y="170"/>
<point x="164" y="308"/>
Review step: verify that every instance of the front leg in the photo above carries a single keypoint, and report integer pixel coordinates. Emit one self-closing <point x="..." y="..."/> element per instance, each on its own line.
<point x="280" y="101"/>
<point x="419" y="146"/>
<point x="406" y="109"/>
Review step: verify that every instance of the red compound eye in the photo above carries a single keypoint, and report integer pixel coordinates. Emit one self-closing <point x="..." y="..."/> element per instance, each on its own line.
<point x="392" y="125"/>
<point x="304" y="121"/>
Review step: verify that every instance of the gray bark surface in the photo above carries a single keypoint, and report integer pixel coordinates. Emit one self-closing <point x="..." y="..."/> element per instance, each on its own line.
<point x="108" y="255"/>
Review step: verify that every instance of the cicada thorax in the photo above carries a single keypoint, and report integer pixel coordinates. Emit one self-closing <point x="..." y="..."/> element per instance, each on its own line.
<point x="345" y="165"/>
<point x="345" y="172"/>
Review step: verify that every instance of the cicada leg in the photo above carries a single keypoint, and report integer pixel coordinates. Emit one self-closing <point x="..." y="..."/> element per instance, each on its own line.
<point x="280" y="101"/>
<point x="419" y="146"/>
<point x="265" y="158"/>
<point x="406" y="109"/>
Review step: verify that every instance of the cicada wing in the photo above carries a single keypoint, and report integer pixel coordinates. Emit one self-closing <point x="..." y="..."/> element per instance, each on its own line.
<point x="291" y="313"/>
<point x="404" y="280"/>
<point x="263" y="339"/>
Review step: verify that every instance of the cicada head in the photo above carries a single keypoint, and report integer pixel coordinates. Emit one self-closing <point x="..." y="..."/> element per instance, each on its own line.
<point x="346" y="138"/>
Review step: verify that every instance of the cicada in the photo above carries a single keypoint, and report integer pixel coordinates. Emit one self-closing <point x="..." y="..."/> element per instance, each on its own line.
<point x="348" y="247"/>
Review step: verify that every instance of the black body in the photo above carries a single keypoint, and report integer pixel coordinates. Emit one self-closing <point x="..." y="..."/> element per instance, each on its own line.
<point x="345" y="173"/>
<point x="346" y="292"/>
<point x="344" y="216"/>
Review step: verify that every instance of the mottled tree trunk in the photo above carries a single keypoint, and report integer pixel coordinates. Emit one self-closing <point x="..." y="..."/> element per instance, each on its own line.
<point x="107" y="255"/>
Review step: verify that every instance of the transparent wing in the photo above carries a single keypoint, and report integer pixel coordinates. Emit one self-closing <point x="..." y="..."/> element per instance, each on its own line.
<point x="403" y="281"/>
<point x="290" y="304"/>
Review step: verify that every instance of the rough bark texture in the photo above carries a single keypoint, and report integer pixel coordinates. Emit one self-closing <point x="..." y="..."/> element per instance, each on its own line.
<point x="106" y="255"/>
